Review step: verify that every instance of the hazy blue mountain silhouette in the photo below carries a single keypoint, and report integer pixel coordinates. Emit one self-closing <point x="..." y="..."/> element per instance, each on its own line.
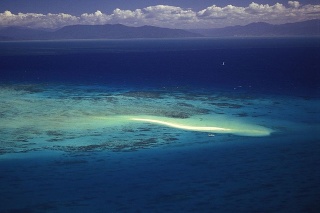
<point x="305" y="28"/>
<point x="118" y="31"/>
<point x="108" y="31"/>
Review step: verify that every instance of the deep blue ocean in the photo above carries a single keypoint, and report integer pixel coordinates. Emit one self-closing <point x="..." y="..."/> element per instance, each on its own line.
<point x="160" y="125"/>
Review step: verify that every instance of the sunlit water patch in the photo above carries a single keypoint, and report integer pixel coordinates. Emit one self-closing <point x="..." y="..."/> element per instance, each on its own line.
<point x="89" y="118"/>
<point x="95" y="148"/>
<point x="191" y="125"/>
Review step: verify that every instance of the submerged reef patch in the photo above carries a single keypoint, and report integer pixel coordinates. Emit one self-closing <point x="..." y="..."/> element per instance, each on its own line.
<point x="87" y="118"/>
<point x="117" y="145"/>
<point x="227" y="105"/>
<point x="144" y="94"/>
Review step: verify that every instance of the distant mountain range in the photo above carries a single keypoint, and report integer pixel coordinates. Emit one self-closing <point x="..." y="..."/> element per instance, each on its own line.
<point x="305" y="28"/>
<point x="118" y="31"/>
<point x="108" y="31"/>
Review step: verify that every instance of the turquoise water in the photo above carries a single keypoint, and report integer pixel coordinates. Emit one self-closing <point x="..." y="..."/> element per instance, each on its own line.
<point x="104" y="126"/>
<point x="56" y="156"/>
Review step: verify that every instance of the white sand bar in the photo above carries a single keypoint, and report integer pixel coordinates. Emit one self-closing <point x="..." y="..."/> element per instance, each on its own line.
<point x="185" y="127"/>
<point x="236" y="128"/>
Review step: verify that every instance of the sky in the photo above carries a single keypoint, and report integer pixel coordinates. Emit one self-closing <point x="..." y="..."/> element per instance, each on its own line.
<point x="183" y="14"/>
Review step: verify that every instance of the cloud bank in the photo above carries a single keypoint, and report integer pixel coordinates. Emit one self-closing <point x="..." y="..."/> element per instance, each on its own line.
<point x="172" y="17"/>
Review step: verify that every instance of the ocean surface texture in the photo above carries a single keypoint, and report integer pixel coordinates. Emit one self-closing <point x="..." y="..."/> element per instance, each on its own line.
<point x="168" y="125"/>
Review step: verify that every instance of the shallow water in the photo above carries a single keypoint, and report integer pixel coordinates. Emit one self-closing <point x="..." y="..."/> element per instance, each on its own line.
<point x="71" y="145"/>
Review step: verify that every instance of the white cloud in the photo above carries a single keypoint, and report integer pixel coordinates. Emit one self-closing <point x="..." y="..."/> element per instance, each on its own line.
<point x="171" y="16"/>
<point x="275" y="14"/>
<point x="126" y="14"/>
<point x="93" y="18"/>
<point x="127" y="17"/>
<point x="35" y="20"/>
<point x="265" y="9"/>
<point x="294" y="4"/>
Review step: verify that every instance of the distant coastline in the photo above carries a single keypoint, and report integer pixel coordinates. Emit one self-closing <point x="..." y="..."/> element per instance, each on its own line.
<point x="117" y="31"/>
